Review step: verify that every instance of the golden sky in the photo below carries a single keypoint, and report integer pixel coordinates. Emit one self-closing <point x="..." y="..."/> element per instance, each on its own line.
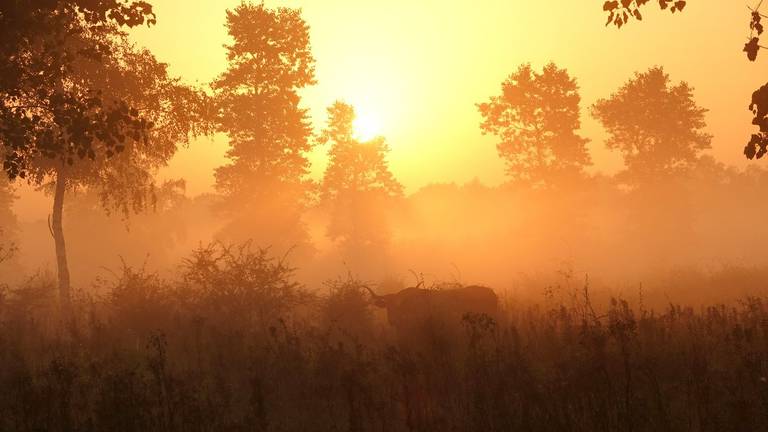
<point x="419" y="66"/>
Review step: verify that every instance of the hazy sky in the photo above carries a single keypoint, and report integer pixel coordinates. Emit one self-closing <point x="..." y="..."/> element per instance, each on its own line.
<point x="419" y="67"/>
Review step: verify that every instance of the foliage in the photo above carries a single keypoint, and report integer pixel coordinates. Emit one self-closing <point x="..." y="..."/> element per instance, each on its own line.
<point x="47" y="110"/>
<point x="621" y="11"/>
<point x="265" y="186"/>
<point x="124" y="178"/>
<point x="758" y="143"/>
<point x="755" y="31"/>
<point x="82" y="107"/>
<point x="655" y="124"/>
<point x="236" y="283"/>
<point x="138" y="301"/>
<point x="354" y="165"/>
<point x="270" y="60"/>
<point x="346" y="309"/>
<point x="536" y="118"/>
<point x="756" y="147"/>
<point x="144" y="360"/>
<point x="357" y="184"/>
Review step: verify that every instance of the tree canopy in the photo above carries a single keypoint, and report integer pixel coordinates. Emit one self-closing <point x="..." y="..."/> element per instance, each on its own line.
<point x="655" y="124"/>
<point x="78" y="97"/>
<point x="265" y="187"/>
<point x="354" y="166"/>
<point x="46" y="109"/>
<point x="358" y="186"/>
<point x="270" y="60"/>
<point x="536" y="119"/>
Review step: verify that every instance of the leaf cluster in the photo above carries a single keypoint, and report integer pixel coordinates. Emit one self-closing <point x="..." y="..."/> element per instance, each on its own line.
<point x="757" y="146"/>
<point x="755" y="31"/>
<point x="620" y="12"/>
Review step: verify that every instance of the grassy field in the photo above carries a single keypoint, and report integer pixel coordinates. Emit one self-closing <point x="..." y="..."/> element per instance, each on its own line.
<point x="233" y="344"/>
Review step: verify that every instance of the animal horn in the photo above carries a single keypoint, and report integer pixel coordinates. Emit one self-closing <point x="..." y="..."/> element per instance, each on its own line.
<point x="377" y="299"/>
<point x="373" y="294"/>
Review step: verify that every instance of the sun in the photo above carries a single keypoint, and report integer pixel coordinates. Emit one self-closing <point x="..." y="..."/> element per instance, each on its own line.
<point x="366" y="126"/>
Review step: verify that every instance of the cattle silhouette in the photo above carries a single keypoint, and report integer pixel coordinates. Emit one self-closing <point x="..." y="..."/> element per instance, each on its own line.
<point x="414" y="310"/>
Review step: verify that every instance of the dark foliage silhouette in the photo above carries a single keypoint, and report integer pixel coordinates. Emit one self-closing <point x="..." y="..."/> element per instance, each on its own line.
<point x="620" y="12"/>
<point x="755" y="31"/>
<point x="756" y="147"/>
<point x="47" y="111"/>
<point x="43" y="42"/>
<point x="536" y="118"/>
<point x="83" y="108"/>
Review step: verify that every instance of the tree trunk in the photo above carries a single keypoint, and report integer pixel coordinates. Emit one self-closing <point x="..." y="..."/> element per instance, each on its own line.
<point x="65" y="295"/>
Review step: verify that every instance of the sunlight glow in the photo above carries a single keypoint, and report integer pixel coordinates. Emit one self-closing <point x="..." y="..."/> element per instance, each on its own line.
<point x="366" y="126"/>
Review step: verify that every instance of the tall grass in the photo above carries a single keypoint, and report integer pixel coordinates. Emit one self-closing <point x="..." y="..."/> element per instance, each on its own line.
<point x="234" y="344"/>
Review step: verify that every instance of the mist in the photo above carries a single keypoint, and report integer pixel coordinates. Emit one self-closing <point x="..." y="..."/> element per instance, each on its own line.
<point x="312" y="284"/>
<point x="695" y="237"/>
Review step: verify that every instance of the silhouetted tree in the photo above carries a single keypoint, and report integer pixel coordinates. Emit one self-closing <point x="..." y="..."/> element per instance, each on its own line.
<point x="357" y="183"/>
<point x="83" y="108"/>
<point x="43" y="44"/>
<point x="270" y="60"/>
<point x="656" y="125"/>
<point x="536" y="118"/>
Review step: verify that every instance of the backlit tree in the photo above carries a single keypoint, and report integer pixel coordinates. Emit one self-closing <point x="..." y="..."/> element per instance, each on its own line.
<point x="358" y="185"/>
<point x="264" y="185"/>
<point x="536" y="118"/>
<point x="655" y="124"/>
<point x="81" y="107"/>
